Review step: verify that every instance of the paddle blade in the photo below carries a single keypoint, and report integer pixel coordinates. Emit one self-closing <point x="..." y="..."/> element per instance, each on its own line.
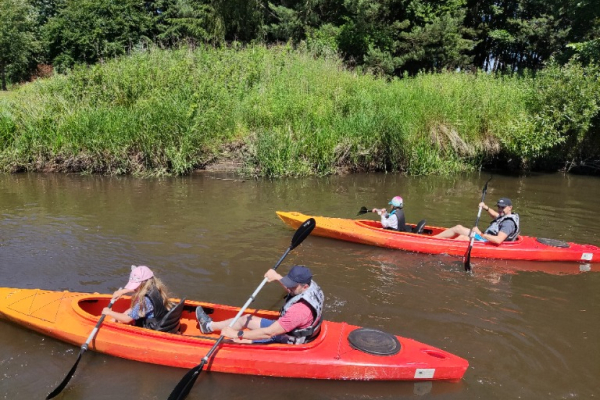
<point x="186" y="383"/>
<point x="65" y="381"/>
<point x="303" y="231"/>
<point x="467" y="260"/>
<point x="363" y="210"/>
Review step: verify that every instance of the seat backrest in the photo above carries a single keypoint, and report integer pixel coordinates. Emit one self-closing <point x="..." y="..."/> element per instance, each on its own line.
<point x="316" y="331"/>
<point x="171" y="321"/>
<point x="419" y="227"/>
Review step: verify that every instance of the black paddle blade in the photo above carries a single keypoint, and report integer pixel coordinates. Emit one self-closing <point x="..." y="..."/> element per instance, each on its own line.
<point x="186" y="383"/>
<point x="303" y="231"/>
<point x="65" y="381"/>
<point x="363" y="210"/>
<point x="468" y="259"/>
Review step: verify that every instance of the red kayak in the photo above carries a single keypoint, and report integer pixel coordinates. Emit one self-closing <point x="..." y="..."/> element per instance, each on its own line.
<point x="371" y="233"/>
<point x="340" y="351"/>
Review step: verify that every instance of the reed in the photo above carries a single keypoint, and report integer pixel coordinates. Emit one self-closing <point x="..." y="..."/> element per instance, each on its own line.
<point x="278" y="111"/>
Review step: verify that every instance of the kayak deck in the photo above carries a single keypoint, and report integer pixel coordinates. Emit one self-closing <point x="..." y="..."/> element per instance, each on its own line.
<point x="71" y="317"/>
<point x="371" y="233"/>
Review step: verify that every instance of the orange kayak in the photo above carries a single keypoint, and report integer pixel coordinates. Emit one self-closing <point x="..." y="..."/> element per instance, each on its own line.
<point x="341" y="351"/>
<point x="371" y="233"/>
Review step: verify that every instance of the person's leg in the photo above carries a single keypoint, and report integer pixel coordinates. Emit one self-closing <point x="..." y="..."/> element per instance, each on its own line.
<point x="244" y="322"/>
<point x="477" y="237"/>
<point x="453" y="232"/>
<point x="265" y="323"/>
<point x="207" y="325"/>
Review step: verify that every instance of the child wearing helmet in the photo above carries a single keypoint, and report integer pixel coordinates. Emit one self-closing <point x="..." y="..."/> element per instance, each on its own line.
<point x="394" y="219"/>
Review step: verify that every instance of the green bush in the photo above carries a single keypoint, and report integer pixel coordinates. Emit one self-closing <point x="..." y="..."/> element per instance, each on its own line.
<point x="285" y="112"/>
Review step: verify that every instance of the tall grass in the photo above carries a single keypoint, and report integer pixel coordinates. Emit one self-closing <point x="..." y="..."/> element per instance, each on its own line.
<point x="281" y="112"/>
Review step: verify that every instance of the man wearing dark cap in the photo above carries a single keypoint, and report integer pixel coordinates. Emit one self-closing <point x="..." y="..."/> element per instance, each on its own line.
<point x="505" y="225"/>
<point x="300" y="316"/>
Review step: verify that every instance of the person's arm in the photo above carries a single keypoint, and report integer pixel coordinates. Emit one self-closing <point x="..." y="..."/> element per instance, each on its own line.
<point x="498" y="239"/>
<point x="120" y="292"/>
<point x="119" y="317"/>
<point x="272" y="275"/>
<point x="507" y="227"/>
<point x="493" y="213"/>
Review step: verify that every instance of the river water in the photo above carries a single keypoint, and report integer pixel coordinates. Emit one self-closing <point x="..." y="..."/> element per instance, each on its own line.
<point x="529" y="330"/>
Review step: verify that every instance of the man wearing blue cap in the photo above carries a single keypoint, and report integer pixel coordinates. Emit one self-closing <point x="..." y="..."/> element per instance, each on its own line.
<point x="504" y="227"/>
<point x="300" y="316"/>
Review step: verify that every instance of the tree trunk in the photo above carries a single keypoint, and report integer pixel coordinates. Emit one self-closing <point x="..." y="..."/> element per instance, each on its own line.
<point x="3" y="73"/>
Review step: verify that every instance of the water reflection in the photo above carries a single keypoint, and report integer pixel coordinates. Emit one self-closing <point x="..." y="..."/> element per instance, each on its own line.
<point x="528" y="329"/>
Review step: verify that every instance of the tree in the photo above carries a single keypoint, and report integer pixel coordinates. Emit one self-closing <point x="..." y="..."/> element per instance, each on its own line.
<point x="437" y="46"/>
<point x="88" y="31"/>
<point x="188" y="21"/>
<point x="526" y="34"/>
<point x="17" y="37"/>
<point x="294" y="19"/>
<point x="394" y="36"/>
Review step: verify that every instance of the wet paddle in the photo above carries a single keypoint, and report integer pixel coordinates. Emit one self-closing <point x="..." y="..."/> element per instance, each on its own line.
<point x="467" y="259"/>
<point x="364" y="210"/>
<point x="84" y="347"/>
<point x="187" y="382"/>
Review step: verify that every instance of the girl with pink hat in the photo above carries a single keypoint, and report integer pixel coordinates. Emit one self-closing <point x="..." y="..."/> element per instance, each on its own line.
<point x="149" y="302"/>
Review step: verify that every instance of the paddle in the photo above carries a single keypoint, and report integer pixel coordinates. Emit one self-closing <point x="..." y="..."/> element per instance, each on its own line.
<point x="363" y="210"/>
<point x="467" y="259"/>
<point x="84" y="347"/>
<point x="187" y="382"/>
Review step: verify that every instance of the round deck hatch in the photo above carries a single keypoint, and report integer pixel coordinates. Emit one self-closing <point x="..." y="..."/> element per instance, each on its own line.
<point x="375" y="342"/>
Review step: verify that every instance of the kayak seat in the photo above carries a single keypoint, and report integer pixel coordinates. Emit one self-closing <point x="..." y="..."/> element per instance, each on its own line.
<point x="418" y="229"/>
<point x="316" y="332"/>
<point x="171" y="321"/>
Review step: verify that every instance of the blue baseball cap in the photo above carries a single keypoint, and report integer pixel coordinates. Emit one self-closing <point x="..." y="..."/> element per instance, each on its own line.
<point x="503" y="202"/>
<point x="299" y="274"/>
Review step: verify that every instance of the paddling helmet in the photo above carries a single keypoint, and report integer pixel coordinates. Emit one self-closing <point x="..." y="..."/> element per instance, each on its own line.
<point x="397" y="202"/>
<point x="299" y="274"/>
<point x="138" y="275"/>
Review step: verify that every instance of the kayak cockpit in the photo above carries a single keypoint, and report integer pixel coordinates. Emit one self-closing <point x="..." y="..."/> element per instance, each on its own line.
<point x="92" y="307"/>
<point x="427" y="230"/>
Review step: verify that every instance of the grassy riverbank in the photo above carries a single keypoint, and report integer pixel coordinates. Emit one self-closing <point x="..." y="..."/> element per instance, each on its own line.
<point x="276" y="112"/>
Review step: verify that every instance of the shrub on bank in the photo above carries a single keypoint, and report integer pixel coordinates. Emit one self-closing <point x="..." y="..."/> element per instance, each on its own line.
<point x="277" y="111"/>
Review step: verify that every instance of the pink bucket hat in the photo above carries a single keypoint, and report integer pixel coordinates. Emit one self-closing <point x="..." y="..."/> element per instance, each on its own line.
<point x="138" y="275"/>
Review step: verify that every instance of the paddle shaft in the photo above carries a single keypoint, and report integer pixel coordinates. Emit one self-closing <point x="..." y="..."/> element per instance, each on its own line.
<point x="245" y="306"/>
<point x="187" y="382"/>
<point x="83" y="349"/>
<point x="468" y="253"/>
